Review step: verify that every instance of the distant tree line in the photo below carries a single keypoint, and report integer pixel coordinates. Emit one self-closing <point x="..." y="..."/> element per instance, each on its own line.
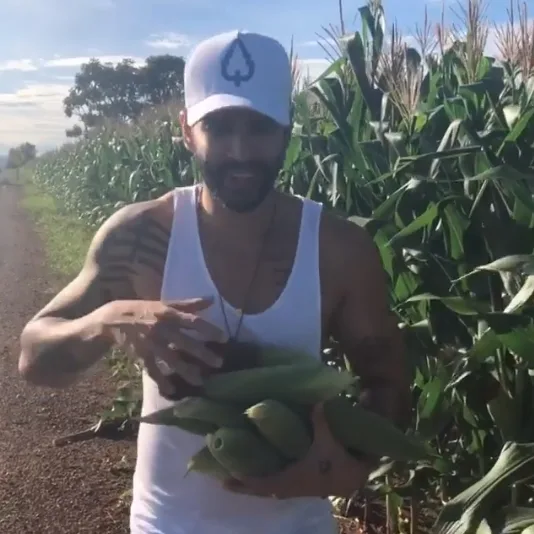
<point x="20" y="155"/>
<point x="118" y="92"/>
<point x="123" y="91"/>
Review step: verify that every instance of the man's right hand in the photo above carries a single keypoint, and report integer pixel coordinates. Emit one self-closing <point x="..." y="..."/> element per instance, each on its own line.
<point x="159" y="334"/>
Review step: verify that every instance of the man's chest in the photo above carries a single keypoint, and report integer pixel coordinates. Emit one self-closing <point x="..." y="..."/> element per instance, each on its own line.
<point x="248" y="281"/>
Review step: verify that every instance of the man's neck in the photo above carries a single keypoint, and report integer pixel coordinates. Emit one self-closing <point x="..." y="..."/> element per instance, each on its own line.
<point x="221" y="220"/>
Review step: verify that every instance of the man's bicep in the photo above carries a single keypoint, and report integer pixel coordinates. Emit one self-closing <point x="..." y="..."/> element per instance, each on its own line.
<point x="80" y="297"/>
<point x="95" y="284"/>
<point x="363" y="313"/>
<point x="368" y="333"/>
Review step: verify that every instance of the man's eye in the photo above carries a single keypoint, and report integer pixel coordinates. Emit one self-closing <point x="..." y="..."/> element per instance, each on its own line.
<point x="262" y="127"/>
<point x="226" y="127"/>
<point x="216" y="128"/>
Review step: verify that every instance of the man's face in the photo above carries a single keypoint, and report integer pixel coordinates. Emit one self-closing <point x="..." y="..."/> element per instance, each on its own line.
<point x="240" y="153"/>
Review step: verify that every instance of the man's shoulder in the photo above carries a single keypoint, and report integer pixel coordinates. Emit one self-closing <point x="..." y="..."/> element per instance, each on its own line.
<point x="347" y="238"/>
<point x="158" y="210"/>
<point x="148" y="219"/>
<point x="351" y="261"/>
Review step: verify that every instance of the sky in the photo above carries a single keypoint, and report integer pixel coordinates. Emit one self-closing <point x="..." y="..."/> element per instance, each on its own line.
<point x="44" y="42"/>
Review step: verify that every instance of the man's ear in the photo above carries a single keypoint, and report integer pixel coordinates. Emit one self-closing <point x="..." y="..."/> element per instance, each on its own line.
<point x="187" y="136"/>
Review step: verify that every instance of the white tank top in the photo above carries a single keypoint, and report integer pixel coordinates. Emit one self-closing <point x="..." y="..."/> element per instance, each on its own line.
<point x="164" y="502"/>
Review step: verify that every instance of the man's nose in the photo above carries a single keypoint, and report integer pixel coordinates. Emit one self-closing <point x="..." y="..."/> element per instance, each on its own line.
<point x="239" y="147"/>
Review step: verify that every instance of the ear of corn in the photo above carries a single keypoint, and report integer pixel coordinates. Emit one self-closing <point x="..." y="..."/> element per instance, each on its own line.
<point x="281" y="427"/>
<point x="364" y="431"/>
<point x="241" y="452"/>
<point x="209" y="411"/>
<point x="167" y="417"/>
<point x="272" y="355"/>
<point x="257" y="420"/>
<point x="308" y="383"/>
<point x="204" y="462"/>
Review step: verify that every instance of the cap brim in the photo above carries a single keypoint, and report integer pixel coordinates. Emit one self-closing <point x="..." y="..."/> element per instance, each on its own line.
<point x="224" y="101"/>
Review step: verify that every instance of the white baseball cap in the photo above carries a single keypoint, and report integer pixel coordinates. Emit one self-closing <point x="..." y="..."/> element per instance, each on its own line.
<point x="238" y="69"/>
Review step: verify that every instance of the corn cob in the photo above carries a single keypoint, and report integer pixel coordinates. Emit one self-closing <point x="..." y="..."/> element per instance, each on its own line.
<point x="299" y="383"/>
<point x="198" y="413"/>
<point x="166" y="417"/>
<point x="364" y="431"/>
<point x="236" y="355"/>
<point x="217" y="413"/>
<point x="239" y="355"/>
<point x="281" y="427"/>
<point x="242" y="453"/>
<point x="204" y="462"/>
<point x="272" y="355"/>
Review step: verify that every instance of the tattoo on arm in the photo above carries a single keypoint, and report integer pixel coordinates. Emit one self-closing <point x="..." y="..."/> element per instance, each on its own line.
<point x="130" y="244"/>
<point x="140" y="245"/>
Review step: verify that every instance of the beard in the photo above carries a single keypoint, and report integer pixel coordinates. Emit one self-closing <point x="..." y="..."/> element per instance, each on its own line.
<point x="237" y="193"/>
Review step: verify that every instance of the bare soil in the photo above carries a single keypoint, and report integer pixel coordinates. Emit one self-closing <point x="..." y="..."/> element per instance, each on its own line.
<point x="43" y="488"/>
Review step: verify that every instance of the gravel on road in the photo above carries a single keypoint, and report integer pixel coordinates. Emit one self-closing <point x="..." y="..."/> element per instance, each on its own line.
<point x="46" y="489"/>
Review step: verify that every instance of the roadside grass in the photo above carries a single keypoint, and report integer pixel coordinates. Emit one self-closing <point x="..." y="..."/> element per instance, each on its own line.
<point x="66" y="239"/>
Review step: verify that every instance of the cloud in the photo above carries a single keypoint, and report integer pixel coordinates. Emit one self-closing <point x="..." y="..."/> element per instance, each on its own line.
<point x="169" y="41"/>
<point x="27" y="65"/>
<point x="312" y="68"/>
<point x="327" y="42"/>
<point x="74" y="62"/>
<point x="33" y="93"/>
<point x="38" y="7"/>
<point x="102" y="4"/>
<point x="34" y="114"/>
<point x="491" y="49"/>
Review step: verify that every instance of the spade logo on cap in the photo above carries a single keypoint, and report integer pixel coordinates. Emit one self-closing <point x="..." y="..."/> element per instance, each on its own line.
<point x="237" y="65"/>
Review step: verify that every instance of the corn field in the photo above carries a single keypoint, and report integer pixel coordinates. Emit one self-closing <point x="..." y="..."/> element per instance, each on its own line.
<point x="431" y="148"/>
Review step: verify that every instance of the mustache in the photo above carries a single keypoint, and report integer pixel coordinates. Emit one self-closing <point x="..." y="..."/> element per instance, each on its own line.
<point x="252" y="167"/>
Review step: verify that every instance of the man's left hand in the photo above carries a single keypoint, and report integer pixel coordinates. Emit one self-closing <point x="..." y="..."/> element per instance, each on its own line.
<point x="326" y="470"/>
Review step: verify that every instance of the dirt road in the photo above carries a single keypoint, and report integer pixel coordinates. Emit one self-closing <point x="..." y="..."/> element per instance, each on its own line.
<point x="46" y="489"/>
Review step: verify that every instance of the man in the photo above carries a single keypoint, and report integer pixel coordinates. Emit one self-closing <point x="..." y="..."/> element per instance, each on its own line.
<point x="229" y="258"/>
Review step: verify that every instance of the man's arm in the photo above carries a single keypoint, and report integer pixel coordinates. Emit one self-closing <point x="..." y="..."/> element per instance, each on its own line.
<point x="367" y="331"/>
<point x="66" y="337"/>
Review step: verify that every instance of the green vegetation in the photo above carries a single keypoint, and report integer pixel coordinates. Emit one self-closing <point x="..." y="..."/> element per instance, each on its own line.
<point x="19" y="156"/>
<point x="123" y="91"/>
<point x="66" y="239"/>
<point x="432" y="150"/>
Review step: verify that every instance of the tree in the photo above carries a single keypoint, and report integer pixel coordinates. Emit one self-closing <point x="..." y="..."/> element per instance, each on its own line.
<point x="75" y="131"/>
<point x="19" y="156"/>
<point x="121" y="92"/>
<point x="162" y="79"/>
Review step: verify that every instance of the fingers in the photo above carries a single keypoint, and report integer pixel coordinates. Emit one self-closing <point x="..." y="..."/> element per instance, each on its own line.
<point x="160" y="362"/>
<point x="160" y="329"/>
<point x="207" y="330"/>
<point x="319" y="421"/>
<point x="163" y="334"/>
<point x="190" y="321"/>
<point x="197" y="349"/>
<point x="149" y="361"/>
<point x="190" y="305"/>
<point x="323" y="438"/>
